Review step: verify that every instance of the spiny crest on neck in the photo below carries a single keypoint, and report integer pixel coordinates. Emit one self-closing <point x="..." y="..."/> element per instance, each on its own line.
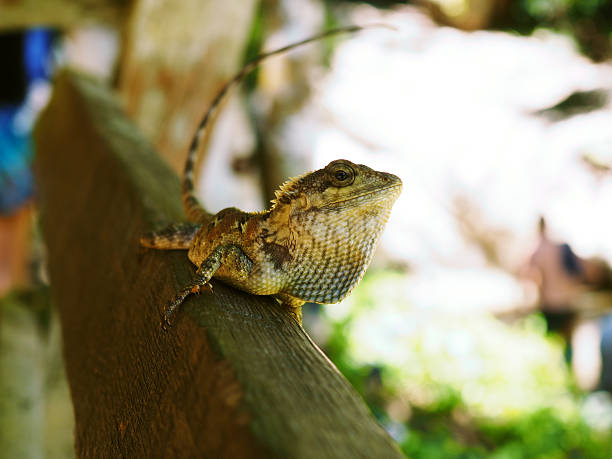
<point x="289" y="190"/>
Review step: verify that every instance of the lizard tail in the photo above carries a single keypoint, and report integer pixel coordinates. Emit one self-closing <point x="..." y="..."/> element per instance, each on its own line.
<point x="193" y="208"/>
<point x="176" y="236"/>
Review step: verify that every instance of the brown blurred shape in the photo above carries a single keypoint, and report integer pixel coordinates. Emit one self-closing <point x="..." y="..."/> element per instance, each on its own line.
<point x="14" y="248"/>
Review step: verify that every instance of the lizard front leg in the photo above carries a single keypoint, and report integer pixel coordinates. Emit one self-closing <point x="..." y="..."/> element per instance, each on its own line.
<point x="222" y="254"/>
<point x="292" y="304"/>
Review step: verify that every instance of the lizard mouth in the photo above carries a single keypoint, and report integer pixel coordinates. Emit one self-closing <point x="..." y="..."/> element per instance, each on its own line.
<point x="382" y="191"/>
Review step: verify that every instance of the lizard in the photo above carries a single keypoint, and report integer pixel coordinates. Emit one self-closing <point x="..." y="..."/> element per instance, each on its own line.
<point x="313" y="244"/>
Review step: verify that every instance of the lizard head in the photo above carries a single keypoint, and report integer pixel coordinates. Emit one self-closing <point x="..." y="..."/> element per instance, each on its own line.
<point x="335" y="217"/>
<point x="341" y="186"/>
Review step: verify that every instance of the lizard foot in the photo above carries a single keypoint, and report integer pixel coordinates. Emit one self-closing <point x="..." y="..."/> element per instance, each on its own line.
<point x="172" y="308"/>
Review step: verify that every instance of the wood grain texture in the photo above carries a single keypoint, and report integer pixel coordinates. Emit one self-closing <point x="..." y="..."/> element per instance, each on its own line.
<point x="236" y="377"/>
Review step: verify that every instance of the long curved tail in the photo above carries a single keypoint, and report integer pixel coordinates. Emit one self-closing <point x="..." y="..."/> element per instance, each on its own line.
<point x="193" y="208"/>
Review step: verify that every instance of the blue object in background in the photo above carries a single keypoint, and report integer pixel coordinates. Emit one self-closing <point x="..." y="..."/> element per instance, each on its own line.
<point x="32" y="51"/>
<point x="16" y="183"/>
<point x="37" y="48"/>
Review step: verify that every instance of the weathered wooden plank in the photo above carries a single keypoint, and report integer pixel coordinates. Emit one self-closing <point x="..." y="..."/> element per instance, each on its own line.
<point x="236" y="377"/>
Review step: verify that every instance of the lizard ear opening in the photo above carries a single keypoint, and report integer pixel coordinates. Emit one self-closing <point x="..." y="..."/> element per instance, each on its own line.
<point x="341" y="174"/>
<point x="304" y="201"/>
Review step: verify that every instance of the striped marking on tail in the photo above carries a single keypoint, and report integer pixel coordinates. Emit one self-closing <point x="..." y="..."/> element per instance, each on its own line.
<point x="177" y="236"/>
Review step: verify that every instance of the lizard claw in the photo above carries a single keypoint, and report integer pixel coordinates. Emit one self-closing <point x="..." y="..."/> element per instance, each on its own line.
<point x="199" y="288"/>
<point x="165" y="324"/>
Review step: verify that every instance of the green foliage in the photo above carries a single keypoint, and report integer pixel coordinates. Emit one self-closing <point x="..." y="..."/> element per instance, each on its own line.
<point x="466" y="387"/>
<point x="544" y="434"/>
<point x="589" y="22"/>
<point x="253" y="49"/>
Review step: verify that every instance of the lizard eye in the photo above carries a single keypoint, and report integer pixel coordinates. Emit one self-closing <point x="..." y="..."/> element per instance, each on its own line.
<point x="342" y="175"/>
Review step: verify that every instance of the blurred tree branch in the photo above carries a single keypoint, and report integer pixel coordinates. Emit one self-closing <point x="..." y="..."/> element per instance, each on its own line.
<point x="175" y="58"/>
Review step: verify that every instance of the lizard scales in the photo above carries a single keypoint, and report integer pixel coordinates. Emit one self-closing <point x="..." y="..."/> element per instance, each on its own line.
<point x="314" y="243"/>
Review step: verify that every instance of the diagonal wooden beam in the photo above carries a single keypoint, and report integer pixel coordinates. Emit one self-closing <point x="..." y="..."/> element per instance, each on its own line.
<point x="236" y="377"/>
